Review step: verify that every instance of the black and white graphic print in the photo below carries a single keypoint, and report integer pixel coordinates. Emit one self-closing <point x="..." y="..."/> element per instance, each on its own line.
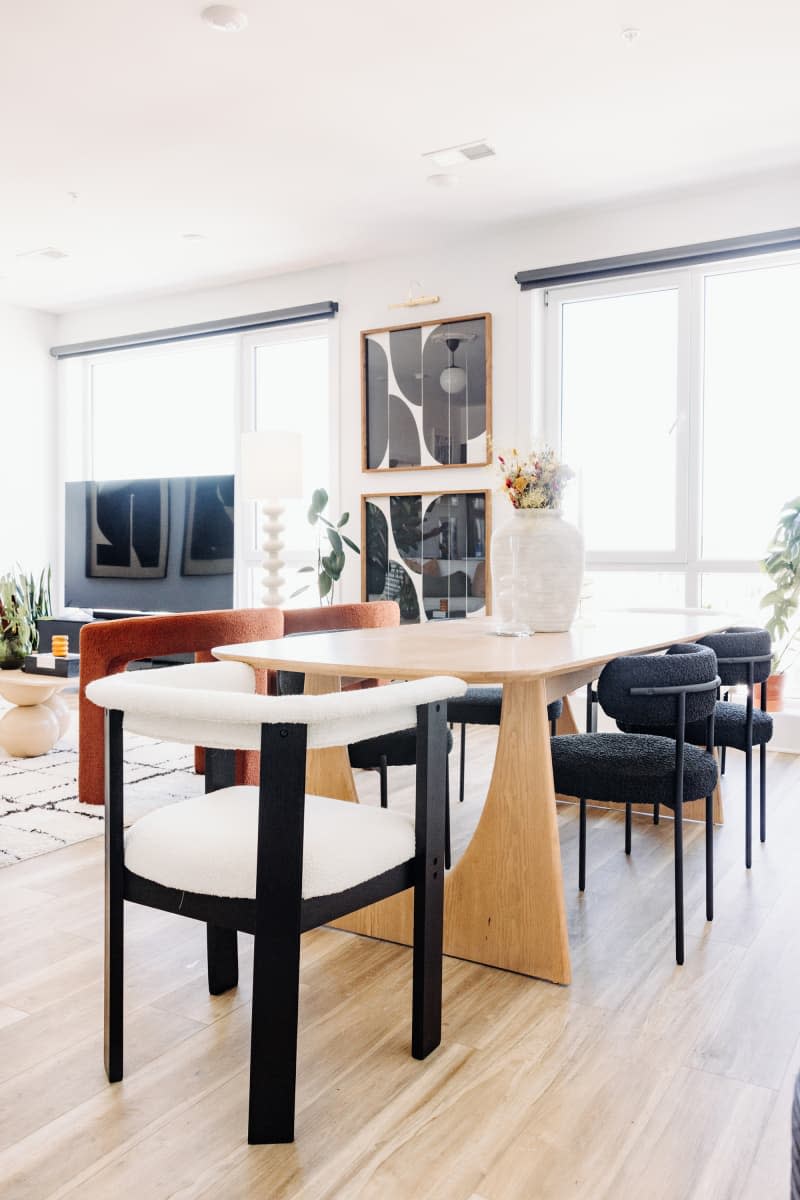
<point x="427" y="395"/>
<point x="427" y="551"/>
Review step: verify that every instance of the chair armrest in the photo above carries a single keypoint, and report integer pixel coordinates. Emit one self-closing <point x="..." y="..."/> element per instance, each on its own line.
<point x="232" y="720"/>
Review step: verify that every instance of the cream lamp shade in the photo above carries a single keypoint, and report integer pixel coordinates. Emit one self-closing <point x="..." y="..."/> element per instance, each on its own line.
<point x="272" y="465"/>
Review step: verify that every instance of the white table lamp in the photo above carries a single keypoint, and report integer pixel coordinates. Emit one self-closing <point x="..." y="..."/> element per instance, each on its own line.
<point x="272" y="471"/>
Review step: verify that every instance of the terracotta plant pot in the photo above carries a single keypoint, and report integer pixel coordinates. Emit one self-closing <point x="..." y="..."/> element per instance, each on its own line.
<point x="775" y="685"/>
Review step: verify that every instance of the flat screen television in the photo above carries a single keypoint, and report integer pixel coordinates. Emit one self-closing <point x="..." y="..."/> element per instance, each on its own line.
<point x="149" y="545"/>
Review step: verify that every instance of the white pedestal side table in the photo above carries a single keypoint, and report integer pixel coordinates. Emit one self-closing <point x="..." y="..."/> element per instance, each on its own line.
<point x="40" y="717"/>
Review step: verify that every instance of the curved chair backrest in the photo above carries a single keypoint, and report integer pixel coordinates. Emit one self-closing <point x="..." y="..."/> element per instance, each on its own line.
<point x="336" y="618"/>
<point x="209" y="705"/>
<point x="736" y="648"/>
<point x="629" y="689"/>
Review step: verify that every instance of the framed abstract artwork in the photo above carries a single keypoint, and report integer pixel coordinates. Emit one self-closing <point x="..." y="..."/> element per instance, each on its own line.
<point x="427" y="395"/>
<point x="208" y="526"/>
<point x="429" y="551"/>
<point x="127" y="529"/>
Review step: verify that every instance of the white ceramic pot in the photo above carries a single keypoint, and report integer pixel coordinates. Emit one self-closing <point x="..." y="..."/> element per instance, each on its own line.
<point x="537" y="571"/>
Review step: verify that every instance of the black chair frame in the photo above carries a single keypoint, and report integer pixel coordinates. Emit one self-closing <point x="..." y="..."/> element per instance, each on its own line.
<point x="680" y="692"/>
<point x="462" y="755"/>
<point x="750" y="662"/>
<point x="278" y="915"/>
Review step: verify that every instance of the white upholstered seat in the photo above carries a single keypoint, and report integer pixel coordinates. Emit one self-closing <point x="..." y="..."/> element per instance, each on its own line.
<point x="208" y="844"/>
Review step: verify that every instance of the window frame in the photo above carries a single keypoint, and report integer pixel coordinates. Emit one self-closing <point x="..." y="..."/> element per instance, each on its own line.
<point x="79" y="462"/>
<point x="249" y="555"/>
<point x="547" y="319"/>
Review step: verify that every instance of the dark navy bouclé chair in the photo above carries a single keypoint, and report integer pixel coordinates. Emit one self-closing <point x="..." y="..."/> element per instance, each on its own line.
<point x="744" y="656"/>
<point x="654" y="691"/>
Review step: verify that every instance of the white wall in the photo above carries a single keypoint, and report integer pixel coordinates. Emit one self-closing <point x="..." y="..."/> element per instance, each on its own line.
<point x="477" y="276"/>
<point x="27" y="439"/>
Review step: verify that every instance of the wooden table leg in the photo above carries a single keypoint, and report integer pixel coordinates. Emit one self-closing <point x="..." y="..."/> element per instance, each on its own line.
<point x="504" y="899"/>
<point x="328" y="772"/>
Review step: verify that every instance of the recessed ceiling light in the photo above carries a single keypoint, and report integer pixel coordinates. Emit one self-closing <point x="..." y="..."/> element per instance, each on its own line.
<point x="443" y="180"/>
<point x="225" y="18"/>
<point x="630" y="35"/>
<point x="193" y="237"/>
<point x="453" y="156"/>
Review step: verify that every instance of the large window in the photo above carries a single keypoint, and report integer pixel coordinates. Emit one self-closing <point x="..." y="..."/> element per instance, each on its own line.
<point x="181" y="409"/>
<point x="165" y="411"/>
<point x="287" y="386"/>
<point x="676" y="397"/>
<point x="620" y="389"/>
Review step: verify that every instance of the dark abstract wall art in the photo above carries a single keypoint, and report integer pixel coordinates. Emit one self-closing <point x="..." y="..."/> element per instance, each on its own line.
<point x="428" y="551"/>
<point x="427" y="394"/>
<point x="127" y="529"/>
<point x="208" y="528"/>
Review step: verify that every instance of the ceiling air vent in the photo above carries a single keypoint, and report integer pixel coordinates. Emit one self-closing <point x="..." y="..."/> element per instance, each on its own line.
<point x="452" y="156"/>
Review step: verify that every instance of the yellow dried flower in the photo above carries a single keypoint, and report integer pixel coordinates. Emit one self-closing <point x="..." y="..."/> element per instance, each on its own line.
<point x="520" y="483"/>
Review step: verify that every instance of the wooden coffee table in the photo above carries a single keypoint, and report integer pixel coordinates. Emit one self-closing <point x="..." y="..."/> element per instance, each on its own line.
<point x="40" y="716"/>
<point x="504" y="898"/>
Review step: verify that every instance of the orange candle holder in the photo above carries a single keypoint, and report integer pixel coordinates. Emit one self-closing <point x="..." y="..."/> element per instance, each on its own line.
<point x="59" y="645"/>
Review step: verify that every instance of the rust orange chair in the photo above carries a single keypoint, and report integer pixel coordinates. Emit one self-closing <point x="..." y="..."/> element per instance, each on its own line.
<point x="107" y="647"/>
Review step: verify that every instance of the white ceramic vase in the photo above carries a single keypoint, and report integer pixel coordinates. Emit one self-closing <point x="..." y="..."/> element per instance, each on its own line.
<point x="537" y="572"/>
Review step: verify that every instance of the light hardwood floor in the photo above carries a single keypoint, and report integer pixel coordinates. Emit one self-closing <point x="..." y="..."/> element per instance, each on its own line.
<point x="640" y="1080"/>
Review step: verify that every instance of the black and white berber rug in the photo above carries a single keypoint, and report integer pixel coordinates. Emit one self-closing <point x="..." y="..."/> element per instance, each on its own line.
<point x="39" y="807"/>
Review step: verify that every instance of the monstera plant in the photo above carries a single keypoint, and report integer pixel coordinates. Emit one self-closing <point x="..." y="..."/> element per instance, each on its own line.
<point x="331" y="543"/>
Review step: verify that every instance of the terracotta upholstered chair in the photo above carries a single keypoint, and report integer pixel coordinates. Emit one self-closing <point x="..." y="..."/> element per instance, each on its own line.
<point x="108" y="646"/>
<point x="375" y="614"/>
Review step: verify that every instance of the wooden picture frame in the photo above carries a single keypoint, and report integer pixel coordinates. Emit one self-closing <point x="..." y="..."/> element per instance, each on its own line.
<point x="430" y="551"/>
<point x="426" y="397"/>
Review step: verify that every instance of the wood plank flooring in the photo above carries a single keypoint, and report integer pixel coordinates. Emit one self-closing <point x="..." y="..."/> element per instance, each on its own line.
<point x="640" y="1080"/>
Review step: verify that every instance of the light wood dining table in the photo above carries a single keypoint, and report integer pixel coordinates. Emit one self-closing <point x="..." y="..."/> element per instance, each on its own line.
<point x="504" y="898"/>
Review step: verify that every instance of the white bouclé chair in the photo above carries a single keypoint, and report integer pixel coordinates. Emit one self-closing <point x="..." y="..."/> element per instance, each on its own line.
<point x="271" y="860"/>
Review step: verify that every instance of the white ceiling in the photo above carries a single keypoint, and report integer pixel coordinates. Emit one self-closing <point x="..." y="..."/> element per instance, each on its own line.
<point x="299" y="141"/>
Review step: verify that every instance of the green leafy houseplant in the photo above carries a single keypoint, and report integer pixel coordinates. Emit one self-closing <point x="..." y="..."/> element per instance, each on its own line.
<point x="782" y="564"/>
<point x="23" y="600"/>
<point x="330" y="565"/>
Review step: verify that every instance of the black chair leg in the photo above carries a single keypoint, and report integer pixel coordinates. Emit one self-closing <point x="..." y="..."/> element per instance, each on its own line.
<point x="426" y="1012"/>
<point x="447" y="852"/>
<point x="382" y="770"/>
<point x="461" y="764"/>
<point x="679" y="940"/>
<point x="273" y="1045"/>
<point x="722" y="760"/>
<point x="628" y="824"/>
<point x="748" y="808"/>
<point x="656" y="814"/>
<point x="114" y="901"/>
<point x="582" y="846"/>
<point x="554" y="728"/>
<point x="762" y="792"/>
<point x="223" y="959"/>
<point x="710" y="858"/>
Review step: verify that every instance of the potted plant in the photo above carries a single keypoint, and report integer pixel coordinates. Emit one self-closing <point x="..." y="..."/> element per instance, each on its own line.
<point x="23" y="600"/>
<point x="782" y="564"/>
<point x="331" y="564"/>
